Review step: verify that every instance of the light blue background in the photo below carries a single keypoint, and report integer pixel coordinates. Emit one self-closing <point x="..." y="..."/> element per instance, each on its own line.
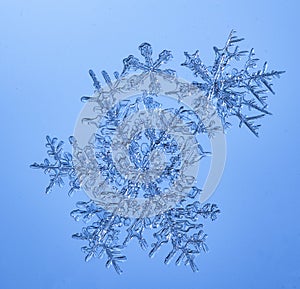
<point x="46" y="50"/>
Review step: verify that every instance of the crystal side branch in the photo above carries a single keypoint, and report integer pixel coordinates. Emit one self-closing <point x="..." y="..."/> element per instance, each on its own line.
<point x="232" y="91"/>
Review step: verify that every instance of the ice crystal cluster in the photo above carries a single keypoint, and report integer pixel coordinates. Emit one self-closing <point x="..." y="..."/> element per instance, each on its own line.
<point x="231" y="91"/>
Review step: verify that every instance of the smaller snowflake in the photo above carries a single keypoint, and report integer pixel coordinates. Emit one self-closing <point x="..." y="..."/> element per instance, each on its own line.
<point x="231" y="89"/>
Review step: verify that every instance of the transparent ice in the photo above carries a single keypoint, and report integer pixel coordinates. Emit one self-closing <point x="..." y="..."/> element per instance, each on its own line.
<point x="233" y="91"/>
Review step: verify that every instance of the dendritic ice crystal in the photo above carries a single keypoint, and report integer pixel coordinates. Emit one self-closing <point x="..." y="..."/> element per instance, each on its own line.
<point x="137" y="147"/>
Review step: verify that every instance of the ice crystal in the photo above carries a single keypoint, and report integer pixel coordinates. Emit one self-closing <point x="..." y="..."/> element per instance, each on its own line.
<point x="229" y="89"/>
<point x="232" y="89"/>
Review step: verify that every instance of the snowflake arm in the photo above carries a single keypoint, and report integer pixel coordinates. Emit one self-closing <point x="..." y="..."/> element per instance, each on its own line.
<point x="61" y="168"/>
<point x="181" y="228"/>
<point x="102" y="236"/>
<point x="133" y="63"/>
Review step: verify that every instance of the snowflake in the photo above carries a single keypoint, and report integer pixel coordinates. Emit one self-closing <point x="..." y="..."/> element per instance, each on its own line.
<point x="229" y="91"/>
<point x="232" y="89"/>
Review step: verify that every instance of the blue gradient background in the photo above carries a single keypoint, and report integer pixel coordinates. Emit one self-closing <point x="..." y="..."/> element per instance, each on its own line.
<point x="46" y="50"/>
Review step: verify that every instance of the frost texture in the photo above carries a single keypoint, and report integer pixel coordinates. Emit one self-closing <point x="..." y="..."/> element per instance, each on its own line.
<point x="231" y="90"/>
